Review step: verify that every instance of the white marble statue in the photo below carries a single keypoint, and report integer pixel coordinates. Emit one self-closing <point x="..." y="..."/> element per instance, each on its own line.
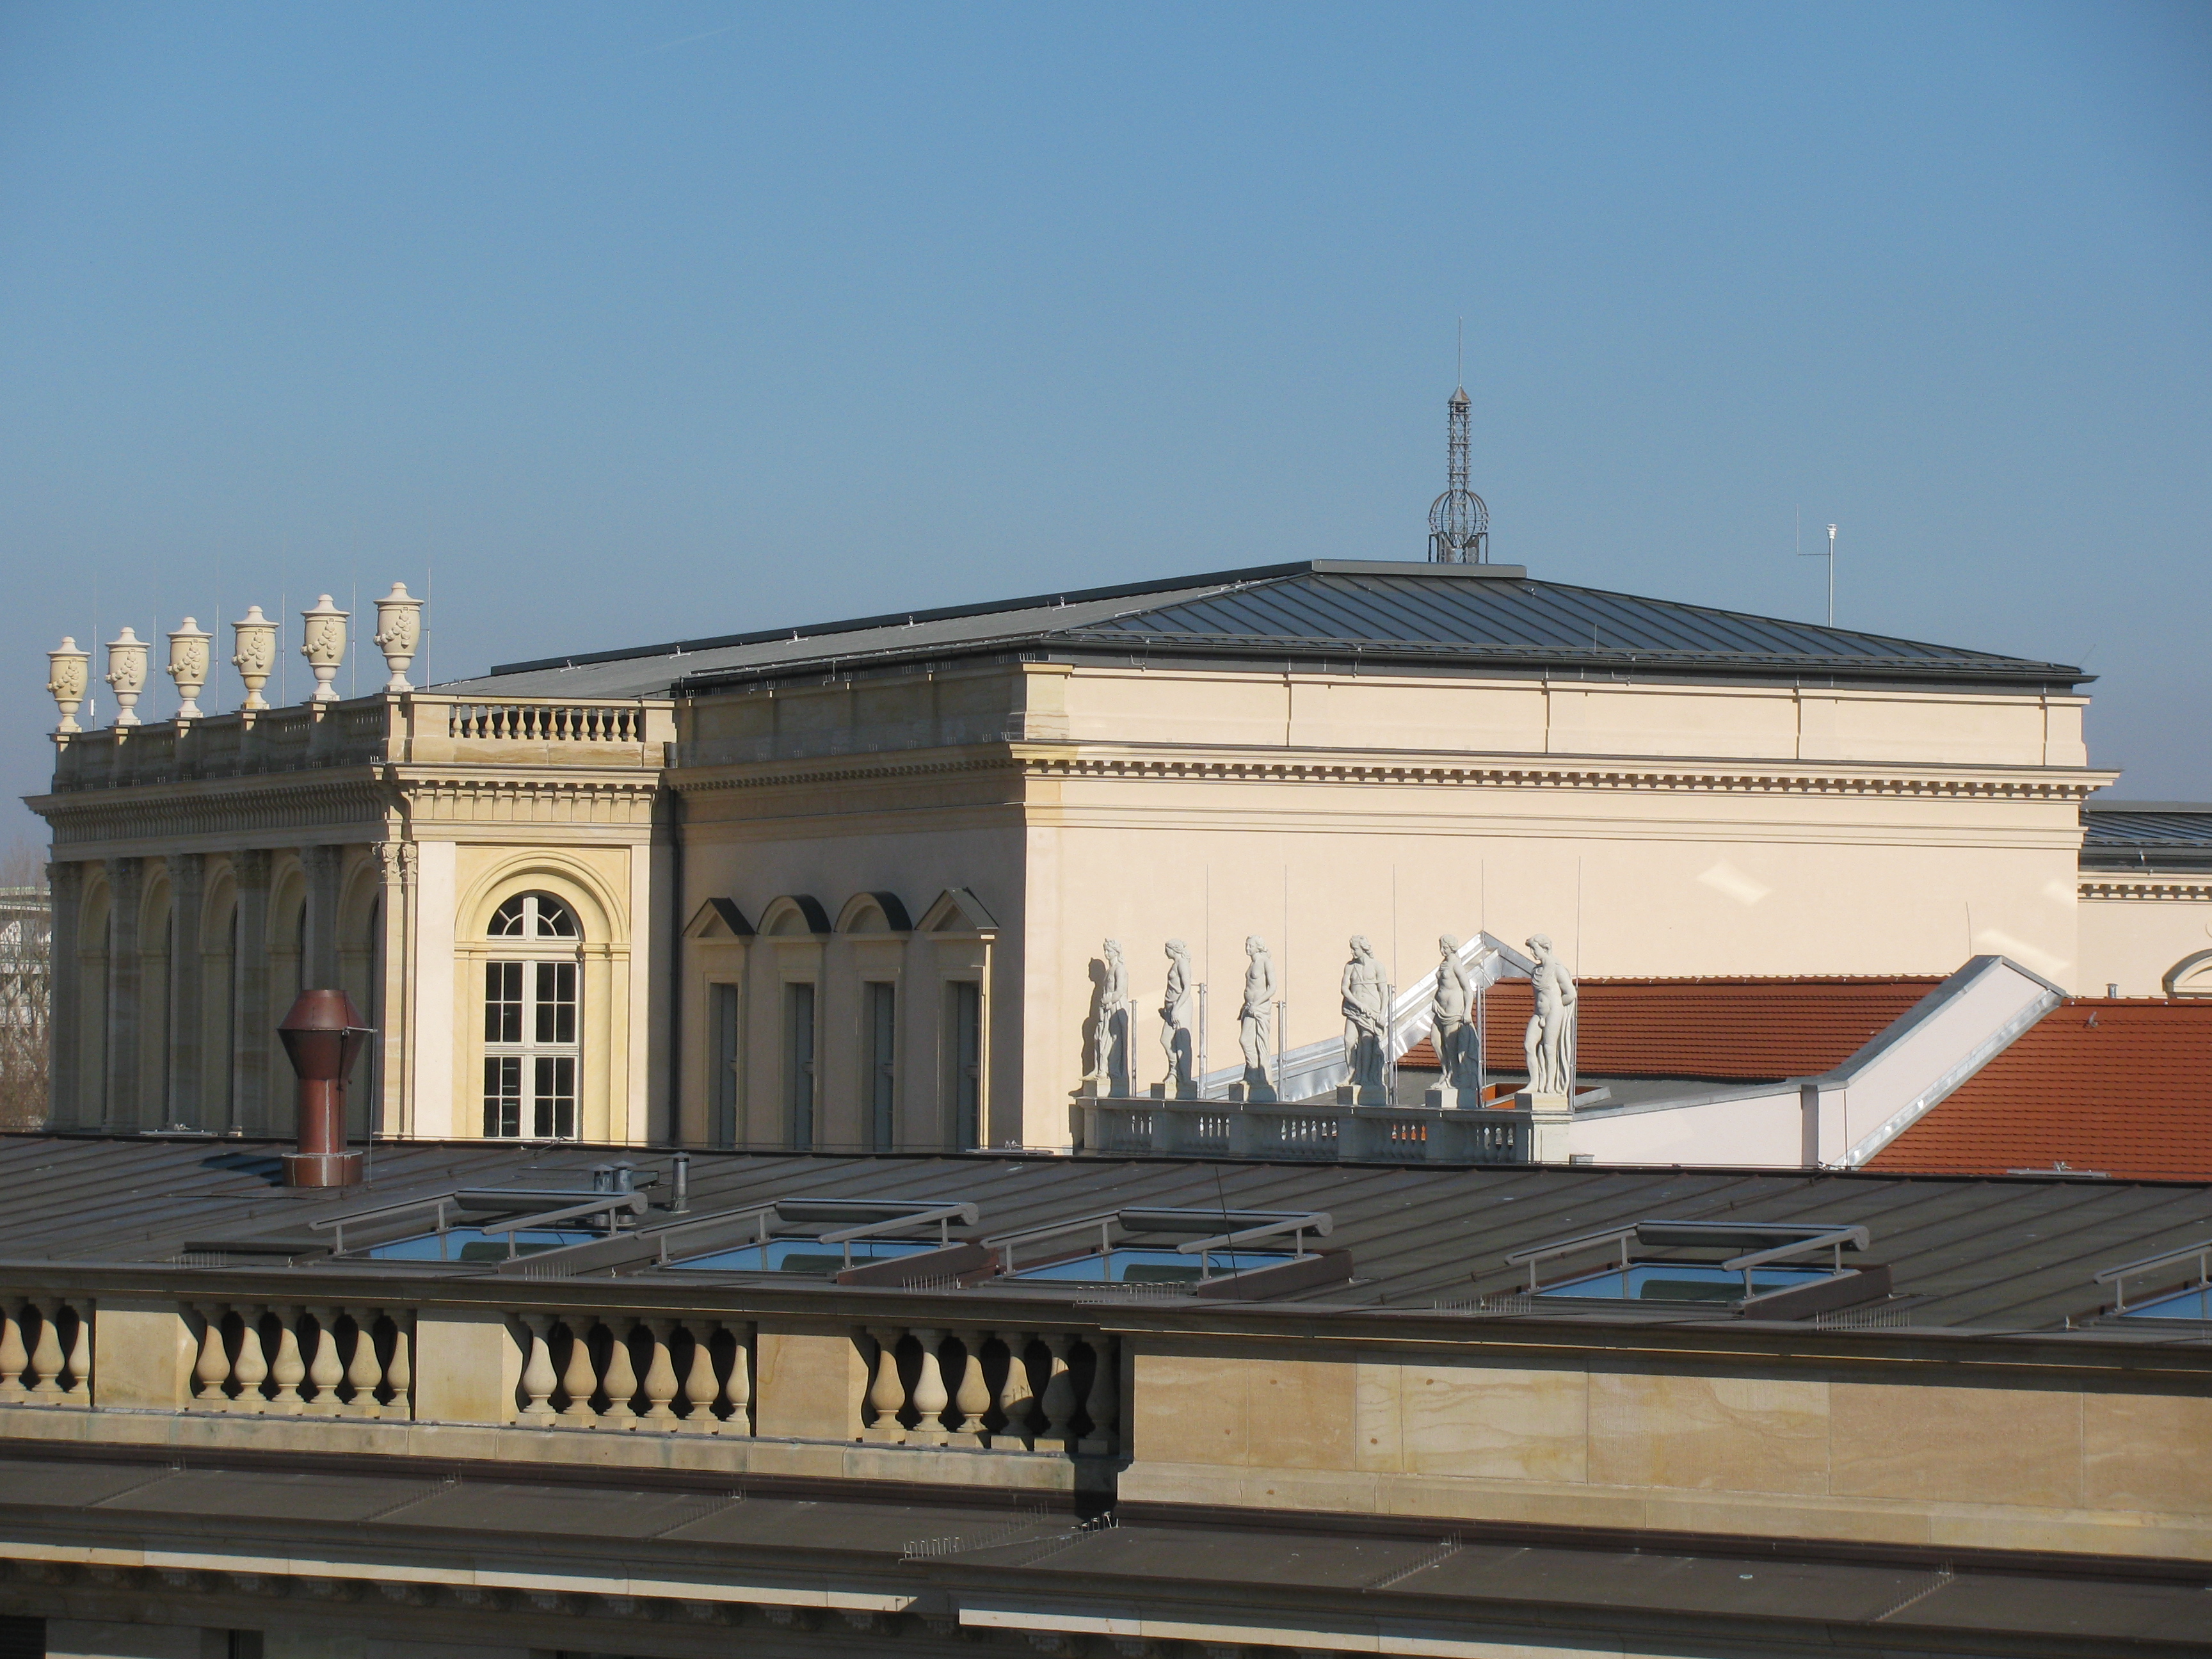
<point x="1366" y="1022"/>
<point x="1176" y="1008"/>
<point x="1551" y="1039"/>
<point x="1458" y="1045"/>
<point x="1110" y="1057"/>
<point x="1256" y="1019"/>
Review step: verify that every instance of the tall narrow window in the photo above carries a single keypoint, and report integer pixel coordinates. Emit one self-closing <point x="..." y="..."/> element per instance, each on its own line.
<point x="798" y="1063"/>
<point x="722" y="1061"/>
<point x="963" y="1056"/>
<point x="531" y="1023"/>
<point x="879" y="1064"/>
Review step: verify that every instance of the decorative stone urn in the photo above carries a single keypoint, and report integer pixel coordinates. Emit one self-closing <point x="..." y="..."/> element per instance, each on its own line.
<point x="127" y="672"/>
<point x="70" y="674"/>
<point x="188" y="667"/>
<point x="398" y="631"/>
<point x="255" y="659"/>
<point x="323" y="643"/>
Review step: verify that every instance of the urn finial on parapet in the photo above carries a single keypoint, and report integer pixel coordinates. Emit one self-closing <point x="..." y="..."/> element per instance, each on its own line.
<point x="66" y="678"/>
<point x="127" y="673"/>
<point x="256" y="658"/>
<point x="188" y="667"/>
<point x="323" y="643"/>
<point x="398" y="632"/>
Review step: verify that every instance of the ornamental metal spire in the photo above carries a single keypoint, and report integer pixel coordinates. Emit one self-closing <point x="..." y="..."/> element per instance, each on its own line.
<point x="1459" y="522"/>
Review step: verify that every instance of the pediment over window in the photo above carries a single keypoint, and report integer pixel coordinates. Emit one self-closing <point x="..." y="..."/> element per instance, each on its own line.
<point x="874" y="913"/>
<point x="2191" y="976"/>
<point x="717" y="918"/>
<point x="958" y="910"/>
<point x="794" y="915"/>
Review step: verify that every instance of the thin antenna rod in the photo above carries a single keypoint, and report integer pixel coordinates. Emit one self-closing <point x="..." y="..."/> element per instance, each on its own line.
<point x="1831" y="575"/>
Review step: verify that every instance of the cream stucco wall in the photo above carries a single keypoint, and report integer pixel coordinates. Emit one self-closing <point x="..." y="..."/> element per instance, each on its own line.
<point x="1650" y="829"/>
<point x="2136" y="929"/>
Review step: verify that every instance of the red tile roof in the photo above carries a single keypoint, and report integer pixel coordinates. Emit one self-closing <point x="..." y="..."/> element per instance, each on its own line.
<point x="2121" y="1087"/>
<point x="1739" y="1029"/>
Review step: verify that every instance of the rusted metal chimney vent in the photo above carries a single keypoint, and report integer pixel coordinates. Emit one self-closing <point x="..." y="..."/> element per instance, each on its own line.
<point x="323" y="1037"/>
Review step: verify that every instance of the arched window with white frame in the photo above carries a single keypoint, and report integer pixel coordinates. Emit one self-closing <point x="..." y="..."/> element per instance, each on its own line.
<point x="532" y="992"/>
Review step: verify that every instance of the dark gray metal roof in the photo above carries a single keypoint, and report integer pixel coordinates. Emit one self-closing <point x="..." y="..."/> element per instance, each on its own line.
<point x="2010" y="1253"/>
<point x="1421" y="617"/>
<point x="2150" y="835"/>
<point x="1272" y="1569"/>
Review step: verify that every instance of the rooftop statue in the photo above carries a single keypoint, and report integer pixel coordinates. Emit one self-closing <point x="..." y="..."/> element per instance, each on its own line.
<point x="1459" y="1045"/>
<point x="1551" y="1038"/>
<point x="1256" y="1019"/>
<point x="1174" y="1028"/>
<point x="1366" y="1022"/>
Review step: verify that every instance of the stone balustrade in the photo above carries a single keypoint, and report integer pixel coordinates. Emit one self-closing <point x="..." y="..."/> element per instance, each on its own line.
<point x="1316" y="1131"/>
<point x="320" y="1360"/>
<point x="45" y="1351"/>
<point x="1011" y="1390"/>
<point x="611" y="1371"/>
<point x="385" y="727"/>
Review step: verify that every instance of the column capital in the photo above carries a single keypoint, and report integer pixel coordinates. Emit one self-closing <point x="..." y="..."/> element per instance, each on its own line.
<point x="250" y="867"/>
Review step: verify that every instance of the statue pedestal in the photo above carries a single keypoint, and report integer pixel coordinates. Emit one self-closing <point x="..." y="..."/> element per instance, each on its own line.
<point x="1097" y="1088"/>
<point x="1450" y="1099"/>
<point x="1551" y="1119"/>
<point x="1251" y="1094"/>
<point x="1360" y="1094"/>
<point x="1183" y="1092"/>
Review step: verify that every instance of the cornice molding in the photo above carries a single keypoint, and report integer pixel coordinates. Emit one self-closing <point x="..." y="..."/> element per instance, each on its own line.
<point x="161" y="812"/>
<point x="2068" y="785"/>
<point x="2167" y="889"/>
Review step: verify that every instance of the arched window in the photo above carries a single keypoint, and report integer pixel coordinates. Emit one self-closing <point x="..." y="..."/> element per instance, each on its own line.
<point x="533" y="915"/>
<point x="530" y="1002"/>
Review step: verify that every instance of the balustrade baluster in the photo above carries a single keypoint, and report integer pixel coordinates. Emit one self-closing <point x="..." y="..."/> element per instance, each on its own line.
<point x="1016" y="1401"/>
<point x="213" y="1369"/>
<point x="737" y="1389"/>
<point x="886" y="1393"/>
<point x="930" y="1398"/>
<point x="971" y="1400"/>
<point x="251" y="1369"/>
<point x="659" y="1375"/>
<point x="1059" y="1400"/>
<point x="1102" y="1405"/>
<point x="538" y="1376"/>
<point x="581" y="1381"/>
<point x="46" y="1353"/>
<point x="323" y="1368"/>
<point x="287" y="1370"/>
<point x="620" y="1379"/>
<point x="701" y="1387"/>
<point x="78" y="1389"/>
<point x="399" y="1375"/>
<point x="365" y="1373"/>
<point x="15" y="1356"/>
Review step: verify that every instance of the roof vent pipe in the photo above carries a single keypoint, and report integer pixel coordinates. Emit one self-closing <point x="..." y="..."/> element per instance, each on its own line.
<point x="323" y="1036"/>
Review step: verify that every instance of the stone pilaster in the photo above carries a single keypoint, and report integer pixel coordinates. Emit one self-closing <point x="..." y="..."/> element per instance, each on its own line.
<point x="321" y="866"/>
<point x="65" y="1106"/>
<point x="250" y="1038"/>
<point x="392" y="1112"/>
<point x="125" y="1092"/>
<point x="187" y="892"/>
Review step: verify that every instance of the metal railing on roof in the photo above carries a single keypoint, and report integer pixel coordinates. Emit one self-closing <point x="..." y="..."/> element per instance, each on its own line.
<point x="889" y="1216"/>
<point x="2200" y="1252"/>
<point x="450" y="1205"/>
<point x="1792" y="1239"/>
<point x="1265" y="1224"/>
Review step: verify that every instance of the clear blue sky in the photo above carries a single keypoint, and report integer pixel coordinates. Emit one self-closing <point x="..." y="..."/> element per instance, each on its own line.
<point x="649" y="319"/>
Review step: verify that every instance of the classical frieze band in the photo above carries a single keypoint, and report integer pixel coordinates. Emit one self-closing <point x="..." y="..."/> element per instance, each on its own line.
<point x="2167" y="890"/>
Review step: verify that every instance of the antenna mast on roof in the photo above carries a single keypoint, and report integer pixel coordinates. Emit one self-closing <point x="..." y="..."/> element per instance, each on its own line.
<point x="1459" y="522"/>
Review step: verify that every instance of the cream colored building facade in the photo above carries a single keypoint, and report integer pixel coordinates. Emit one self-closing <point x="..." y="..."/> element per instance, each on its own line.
<point x="846" y="887"/>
